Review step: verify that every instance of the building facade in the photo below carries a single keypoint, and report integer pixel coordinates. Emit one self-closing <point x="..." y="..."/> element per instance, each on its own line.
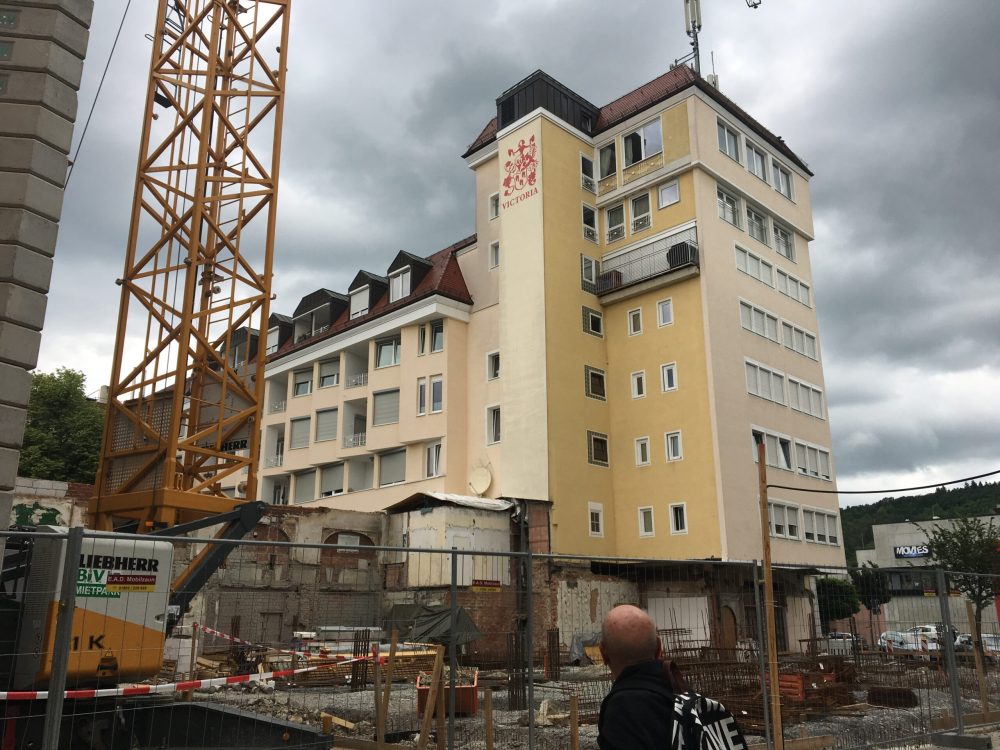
<point x="634" y="308"/>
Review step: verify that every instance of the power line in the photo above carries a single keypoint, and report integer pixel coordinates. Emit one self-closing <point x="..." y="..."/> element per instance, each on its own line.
<point x="882" y="492"/>
<point x="93" y="104"/>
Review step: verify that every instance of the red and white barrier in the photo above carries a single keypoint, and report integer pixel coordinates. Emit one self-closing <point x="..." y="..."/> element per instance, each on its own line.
<point x="232" y="638"/>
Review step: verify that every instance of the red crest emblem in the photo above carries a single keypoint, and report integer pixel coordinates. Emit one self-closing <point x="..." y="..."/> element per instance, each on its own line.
<point x="521" y="167"/>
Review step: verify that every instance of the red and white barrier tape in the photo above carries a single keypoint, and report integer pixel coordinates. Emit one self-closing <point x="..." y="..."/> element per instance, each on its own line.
<point x="225" y="636"/>
<point x="171" y="687"/>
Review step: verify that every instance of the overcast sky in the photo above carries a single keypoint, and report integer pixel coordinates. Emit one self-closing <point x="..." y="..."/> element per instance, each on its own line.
<point x="895" y="105"/>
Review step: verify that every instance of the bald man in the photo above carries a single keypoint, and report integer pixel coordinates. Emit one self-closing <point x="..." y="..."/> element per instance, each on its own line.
<point x="638" y="711"/>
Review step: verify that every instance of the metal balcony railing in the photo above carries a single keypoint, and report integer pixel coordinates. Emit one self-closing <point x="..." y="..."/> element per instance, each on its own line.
<point x="357" y="380"/>
<point x="589" y="233"/>
<point x="588" y="184"/>
<point x="678" y="250"/>
<point x="276" y="407"/>
<point x="357" y="440"/>
<point x="271" y="462"/>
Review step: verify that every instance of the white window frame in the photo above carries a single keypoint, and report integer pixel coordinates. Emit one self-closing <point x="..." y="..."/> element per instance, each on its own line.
<point x="612" y="234"/>
<point x="644" y="220"/>
<point x="335" y="376"/>
<point x="400" y="279"/>
<point x="422" y="394"/>
<point x="754" y="266"/>
<point x="591" y="315"/>
<point x="336" y="425"/>
<point x="589" y="231"/>
<point x="660" y="322"/>
<point x="776" y="382"/>
<point x="489" y="365"/>
<point x="421" y="340"/>
<point x="308" y="433"/>
<point x="633" y="320"/>
<point x="774" y="507"/>
<point x="794" y="288"/>
<point x="597" y="508"/>
<point x="652" y="523"/>
<point x="813" y="515"/>
<point x="674" y="531"/>
<point x="592" y="459"/>
<point x="783" y="186"/>
<point x="613" y="145"/>
<point x="665" y="368"/>
<point x="432" y="326"/>
<point x="812" y="393"/>
<point x="644" y="150"/>
<point x="397" y="348"/>
<point x="783" y="248"/>
<point x="435" y="380"/>
<point x="588" y="182"/>
<point x="756" y="313"/>
<point x="778" y="439"/>
<point x="668" y="450"/>
<point x="587" y="390"/>
<point x="790" y="340"/>
<point x="725" y="208"/>
<point x="662" y="190"/>
<point x="820" y="451"/>
<point x="638" y="384"/>
<point x="494" y="254"/>
<point x="493" y="206"/>
<point x="493" y="437"/>
<point x="642" y="443"/>
<point x="731" y="140"/>
<point x="360" y="301"/>
<point x="760" y="220"/>
<point x="588" y="270"/>
<point x="759" y="157"/>
<point x="432" y="453"/>
<point x="308" y="382"/>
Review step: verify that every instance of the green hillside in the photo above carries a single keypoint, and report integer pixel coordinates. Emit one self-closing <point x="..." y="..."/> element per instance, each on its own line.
<point x="974" y="499"/>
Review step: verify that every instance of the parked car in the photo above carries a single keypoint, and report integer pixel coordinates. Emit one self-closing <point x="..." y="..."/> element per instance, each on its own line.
<point x="963" y="642"/>
<point x="906" y="641"/>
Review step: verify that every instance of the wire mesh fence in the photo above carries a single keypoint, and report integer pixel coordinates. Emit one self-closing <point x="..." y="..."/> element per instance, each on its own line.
<point x="303" y="645"/>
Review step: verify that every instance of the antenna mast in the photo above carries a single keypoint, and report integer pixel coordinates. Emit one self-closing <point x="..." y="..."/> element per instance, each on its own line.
<point x="692" y="25"/>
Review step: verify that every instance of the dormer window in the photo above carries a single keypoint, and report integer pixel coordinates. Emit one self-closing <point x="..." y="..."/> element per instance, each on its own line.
<point x="359" y="302"/>
<point x="272" y="341"/>
<point x="399" y="285"/>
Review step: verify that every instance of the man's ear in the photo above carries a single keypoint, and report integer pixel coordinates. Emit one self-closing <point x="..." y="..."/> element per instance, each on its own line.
<point x="659" y="649"/>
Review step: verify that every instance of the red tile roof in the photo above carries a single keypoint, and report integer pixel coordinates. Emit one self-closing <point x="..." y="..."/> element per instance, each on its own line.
<point x="654" y="92"/>
<point x="444" y="278"/>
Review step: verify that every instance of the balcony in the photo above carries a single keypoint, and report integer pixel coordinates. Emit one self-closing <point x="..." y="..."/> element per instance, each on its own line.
<point x="357" y="440"/>
<point x="662" y="256"/>
<point x="641" y="168"/>
<point x="276" y="407"/>
<point x="607" y="184"/>
<point x="357" y="380"/>
<point x="588" y="184"/>
<point x="271" y="462"/>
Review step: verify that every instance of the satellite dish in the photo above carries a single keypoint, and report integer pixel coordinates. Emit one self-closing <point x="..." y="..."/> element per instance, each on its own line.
<point x="479" y="480"/>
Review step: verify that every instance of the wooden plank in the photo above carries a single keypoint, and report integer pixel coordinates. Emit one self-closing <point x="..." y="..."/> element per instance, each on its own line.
<point x="820" y="742"/>
<point x="574" y="723"/>
<point x="432" y="695"/>
<point x="337" y="720"/>
<point x="488" y="716"/>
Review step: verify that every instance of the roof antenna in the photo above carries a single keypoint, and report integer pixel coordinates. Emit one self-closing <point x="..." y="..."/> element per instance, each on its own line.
<point x="712" y="78"/>
<point x="692" y="25"/>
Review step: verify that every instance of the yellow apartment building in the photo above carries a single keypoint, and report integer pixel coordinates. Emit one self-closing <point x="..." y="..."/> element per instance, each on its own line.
<point x="635" y="305"/>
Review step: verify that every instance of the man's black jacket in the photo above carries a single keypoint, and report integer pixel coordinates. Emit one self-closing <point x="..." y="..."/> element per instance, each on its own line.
<point x="637" y="714"/>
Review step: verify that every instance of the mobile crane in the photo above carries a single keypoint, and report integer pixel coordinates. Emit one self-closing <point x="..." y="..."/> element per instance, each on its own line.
<point x="188" y="366"/>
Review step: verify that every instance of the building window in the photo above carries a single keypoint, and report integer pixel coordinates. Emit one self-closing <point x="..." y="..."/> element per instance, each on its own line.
<point x="432" y="460"/>
<point x="595" y="512"/>
<point x="326" y="425"/>
<point x="777" y="449"/>
<point x="668" y="193"/>
<point x="819" y="527"/>
<point x="3" y="90"/>
<point x="782" y="180"/>
<point x="634" y="321"/>
<point x="399" y="285"/>
<point x="597" y="448"/>
<point x="754" y="266"/>
<point x="608" y="160"/>
<point x="783" y="242"/>
<point x="492" y="425"/>
<point x="812" y="461"/>
<point x="587" y="181"/>
<point x="392" y="468"/>
<point x="759" y="321"/>
<point x="673" y="445"/>
<point x="494" y="210"/>
<point x="792" y="287"/>
<point x="421" y="340"/>
<point x="729" y="141"/>
<point x="437" y="335"/>
<point x="729" y="208"/>
<point x="331" y="480"/>
<point x="6" y="51"/>
<point x="493" y="365"/>
<point x="421" y="396"/>
<point x="664" y="312"/>
<point x="594" y="382"/>
<point x="646" y="521"/>
<point x="359" y="302"/>
<point x="305" y="486"/>
<point x="642" y="451"/>
<point x="593" y="322"/>
<point x="799" y="340"/>
<point x="8" y="18"/>
<point x="329" y="373"/>
<point x="302" y="383"/>
<point x="756" y="162"/>
<point x="639" y="384"/>
<point x="784" y="520"/>
<point x="299" y="432"/>
<point x="614" y="219"/>
<point x="588" y="273"/>
<point x="437" y="394"/>
<point x="764" y="382"/>
<point x="640" y="212"/>
<point x="589" y="224"/>
<point x="387" y="352"/>
<point x="642" y="143"/>
<point x="805" y="398"/>
<point x="668" y="377"/>
<point x="678" y="518"/>
<point x="757" y="225"/>
<point x="385" y="407"/>
<point x="494" y="254"/>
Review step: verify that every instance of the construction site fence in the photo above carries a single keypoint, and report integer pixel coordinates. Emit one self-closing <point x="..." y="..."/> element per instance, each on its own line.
<point x="348" y="643"/>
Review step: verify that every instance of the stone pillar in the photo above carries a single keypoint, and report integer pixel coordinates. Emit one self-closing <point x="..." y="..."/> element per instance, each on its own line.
<point x="42" y="47"/>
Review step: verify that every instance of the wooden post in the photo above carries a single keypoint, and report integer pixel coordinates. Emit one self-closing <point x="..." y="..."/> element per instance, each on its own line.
<point x="488" y="716"/>
<point x="379" y="714"/>
<point x="442" y="709"/>
<point x="777" y="734"/>
<point x="432" y="695"/>
<point x="977" y="650"/>
<point x="389" y="666"/>
<point x="574" y="723"/>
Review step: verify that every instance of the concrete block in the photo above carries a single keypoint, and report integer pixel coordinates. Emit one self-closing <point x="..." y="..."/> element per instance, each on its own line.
<point x="26" y="87"/>
<point x="44" y="56"/>
<point x="50" y="23"/>
<point x="25" y="267"/>
<point x="26" y="229"/>
<point x="23" y="189"/>
<point x="33" y="156"/>
<point x="15" y="385"/>
<point x="12" y="421"/>
<point x="81" y="11"/>
<point x="19" y="345"/>
<point x="8" y="468"/>
<point x="35" y="121"/>
<point x="6" y="508"/>
<point x="23" y="306"/>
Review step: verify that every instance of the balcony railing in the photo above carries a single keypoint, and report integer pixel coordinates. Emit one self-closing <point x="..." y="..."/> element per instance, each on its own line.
<point x="357" y="380"/>
<point x="271" y="462"/>
<point x="588" y="184"/>
<point x="644" y="167"/>
<point x="607" y="184"/>
<point x="357" y="440"/>
<point x="667" y="254"/>
<point x="276" y="407"/>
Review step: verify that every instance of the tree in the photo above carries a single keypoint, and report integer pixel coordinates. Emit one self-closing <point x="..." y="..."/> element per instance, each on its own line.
<point x="969" y="550"/>
<point x="837" y="598"/>
<point x="62" y="437"/>
<point x="873" y="591"/>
